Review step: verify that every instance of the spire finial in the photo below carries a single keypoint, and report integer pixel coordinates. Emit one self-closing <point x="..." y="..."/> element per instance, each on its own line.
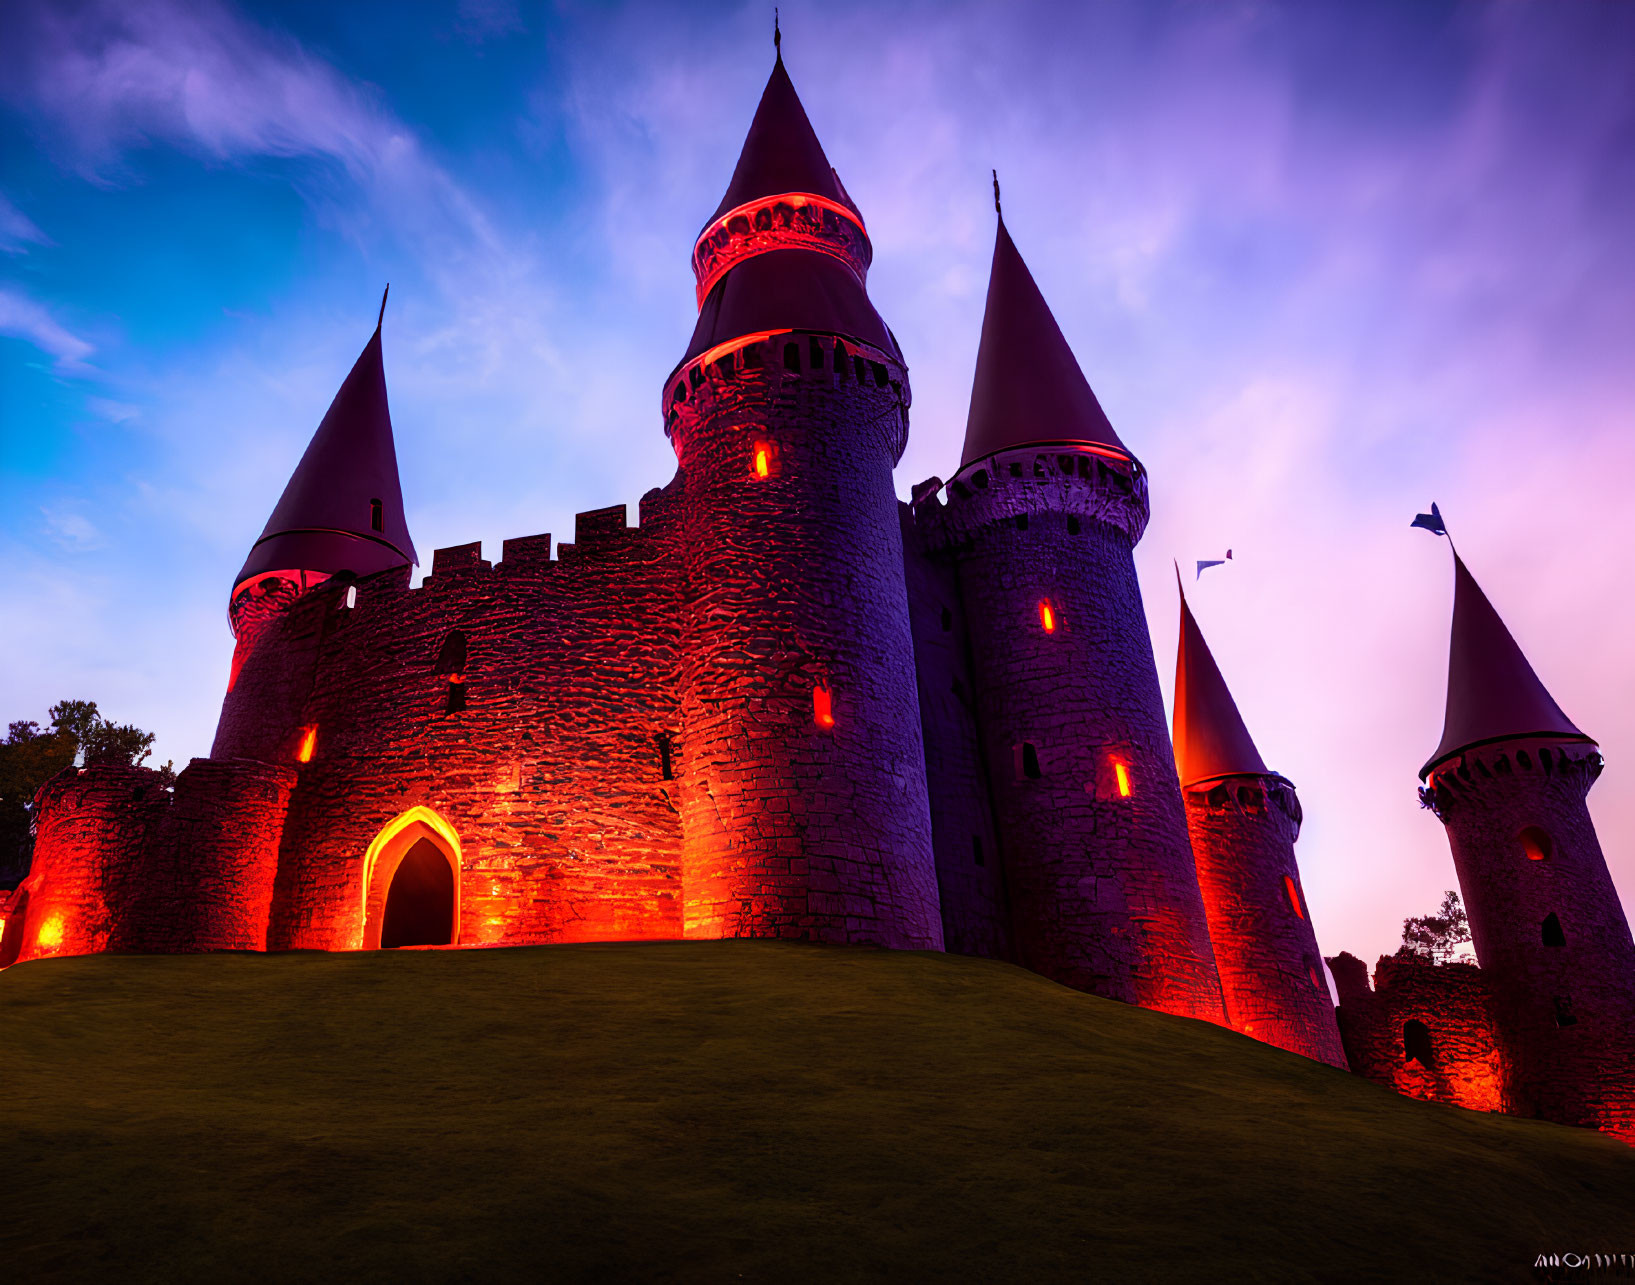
<point x="777" y="34"/>
<point x="380" y="320"/>
<point x="996" y="209"/>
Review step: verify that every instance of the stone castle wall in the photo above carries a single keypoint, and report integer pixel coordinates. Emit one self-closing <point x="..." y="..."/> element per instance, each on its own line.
<point x="1459" y="1056"/>
<point x="530" y="705"/>
<point x="970" y="862"/>
<point x="207" y="872"/>
<point x="1243" y="832"/>
<point x="93" y="830"/>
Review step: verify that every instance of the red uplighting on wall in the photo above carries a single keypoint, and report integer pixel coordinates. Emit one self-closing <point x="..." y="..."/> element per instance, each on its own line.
<point x="309" y="742"/>
<point x="1047" y="616"/>
<point x="822" y="708"/>
<point x="241" y="650"/>
<point x="51" y="933"/>
<point x="1121" y="775"/>
<point x="1294" y="895"/>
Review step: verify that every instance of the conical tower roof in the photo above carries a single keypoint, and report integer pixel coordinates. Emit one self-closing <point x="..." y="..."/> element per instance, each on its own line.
<point x="325" y="520"/>
<point x="1210" y="738"/>
<point x="788" y="290"/>
<point x="1028" y="387"/>
<point x="1493" y="693"/>
<point x="781" y="152"/>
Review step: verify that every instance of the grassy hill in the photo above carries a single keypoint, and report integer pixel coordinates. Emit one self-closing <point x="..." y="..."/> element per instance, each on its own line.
<point x="725" y="1110"/>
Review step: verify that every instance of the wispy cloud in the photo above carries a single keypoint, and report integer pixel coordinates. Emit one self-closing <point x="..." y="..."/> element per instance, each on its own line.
<point x="27" y="319"/>
<point x="72" y="531"/>
<point x="17" y="230"/>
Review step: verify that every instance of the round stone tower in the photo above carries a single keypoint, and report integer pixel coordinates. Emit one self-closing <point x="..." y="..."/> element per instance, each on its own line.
<point x="1509" y="781"/>
<point x="1041" y="521"/>
<point x="804" y="807"/>
<point x="1244" y="820"/>
<point x="341" y="512"/>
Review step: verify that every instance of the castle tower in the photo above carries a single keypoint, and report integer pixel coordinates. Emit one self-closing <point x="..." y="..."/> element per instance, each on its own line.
<point x="342" y="511"/>
<point x="804" y="808"/>
<point x="343" y="507"/>
<point x="1509" y="781"/>
<point x="1244" y="820"/>
<point x="1041" y="521"/>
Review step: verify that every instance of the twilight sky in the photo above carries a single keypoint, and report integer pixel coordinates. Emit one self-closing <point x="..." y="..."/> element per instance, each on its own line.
<point x="1321" y="263"/>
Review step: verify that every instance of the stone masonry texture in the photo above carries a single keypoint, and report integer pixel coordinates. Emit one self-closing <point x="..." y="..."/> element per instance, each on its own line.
<point x="1547" y="925"/>
<point x="1243" y="831"/>
<point x="1102" y="886"/>
<point x="794" y="586"/>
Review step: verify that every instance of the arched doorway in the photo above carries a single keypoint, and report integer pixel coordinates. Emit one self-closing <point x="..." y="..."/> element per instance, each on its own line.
<point x="420" y="902"/>
<point x="411" y="883"/>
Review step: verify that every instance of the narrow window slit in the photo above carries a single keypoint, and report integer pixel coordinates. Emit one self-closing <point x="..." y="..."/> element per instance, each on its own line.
<point x="1416" y="1042"/>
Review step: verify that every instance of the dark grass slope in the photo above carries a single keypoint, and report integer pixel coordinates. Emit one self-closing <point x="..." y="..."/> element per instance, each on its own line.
<point x="710" y="1111"/>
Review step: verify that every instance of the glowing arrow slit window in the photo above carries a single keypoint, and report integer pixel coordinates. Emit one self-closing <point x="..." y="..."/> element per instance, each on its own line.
<point x="822" y="707"/>
<point x="1121" y="778"/>
<point x="761" y="460"/>
<point x="1047" y="616"/>
<point x="309" y="742"/>
<point x="1294" y="896"/>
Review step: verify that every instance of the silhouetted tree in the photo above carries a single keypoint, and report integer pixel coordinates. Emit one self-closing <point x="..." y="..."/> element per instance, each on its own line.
<point x="1437" y="937"/>
<point x="29" y="757"/>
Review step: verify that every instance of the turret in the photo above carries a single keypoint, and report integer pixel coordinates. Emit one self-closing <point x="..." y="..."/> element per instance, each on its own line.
<point x="1041" y="521"/>
<point x="342" y="509"/>
<point x="804" y="808"/>
<point x="1509" y="781"/>
<point x="1244" y="820"/>
<point x="341" y="514"/>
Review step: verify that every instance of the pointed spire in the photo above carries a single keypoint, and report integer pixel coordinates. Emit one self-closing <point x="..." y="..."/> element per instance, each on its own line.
<point x="794" y="254"/>
<point x="326" y="520"/>
<point x="1493" y="693"/>
<point x="1210" y="738"/>
<point x="781" y="152"/>
<point x="1028" y="387"/>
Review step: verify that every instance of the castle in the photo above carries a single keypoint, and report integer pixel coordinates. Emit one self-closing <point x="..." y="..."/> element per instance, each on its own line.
<point x="786" y="704"/>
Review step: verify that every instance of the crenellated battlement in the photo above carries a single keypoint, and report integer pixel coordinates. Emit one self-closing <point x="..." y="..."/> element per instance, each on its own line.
<point x="1072" y="480"/>
<point x="783" y="376"/>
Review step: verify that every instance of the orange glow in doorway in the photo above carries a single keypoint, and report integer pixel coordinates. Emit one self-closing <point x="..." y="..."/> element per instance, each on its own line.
<point x="1047" y="616"/>
<point x="822" y="709"/>
<point x="1122" y="775"/>
<point x="309" y="742"/>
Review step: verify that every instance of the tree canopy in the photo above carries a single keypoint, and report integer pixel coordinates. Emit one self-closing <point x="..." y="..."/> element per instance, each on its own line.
<point x="30" y="756"/>
<point x="1437" y="937"/>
